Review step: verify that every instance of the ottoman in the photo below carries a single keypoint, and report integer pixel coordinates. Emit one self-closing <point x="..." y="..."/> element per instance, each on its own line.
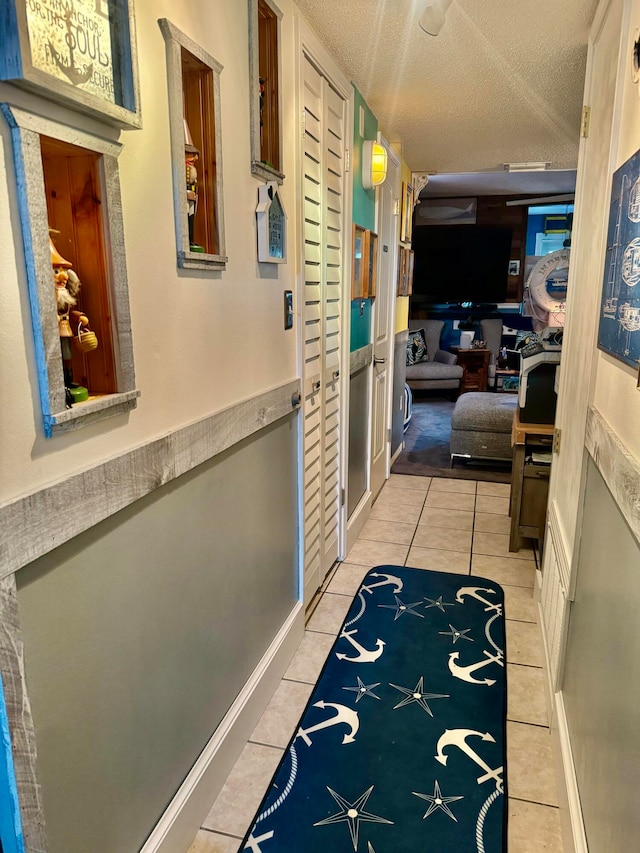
<point x="481" y="426"/>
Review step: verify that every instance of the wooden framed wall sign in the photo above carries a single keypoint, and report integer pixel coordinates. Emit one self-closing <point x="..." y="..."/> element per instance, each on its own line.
<point x="358" y="262"/>
<point x="61" y="171"/>
<point x="271" y="224"/>
<point x="264" y="97"/>
<point x="79" y="52"/>
<point x="372" y="268"/>
<point x="405" y="272"/>
<point x="406" y="213"/>
<point x="195" y="121"/>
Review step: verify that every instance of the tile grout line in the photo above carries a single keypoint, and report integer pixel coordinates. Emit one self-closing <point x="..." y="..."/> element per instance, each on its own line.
<point x="534" y="802"/>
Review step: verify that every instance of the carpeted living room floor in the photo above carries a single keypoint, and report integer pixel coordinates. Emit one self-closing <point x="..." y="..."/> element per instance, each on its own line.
<point x="426" y="451"/>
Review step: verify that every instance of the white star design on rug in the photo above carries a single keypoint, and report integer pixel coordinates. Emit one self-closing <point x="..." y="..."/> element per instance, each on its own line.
<point x="439" y="603"/>
<point x="437" y="801"/>
<point x="457" y="635"/>
<point x="352" y="814"/>
<point x="400" y="607"/>
<point x="363" y="689"/>
<point x="418" y="695"/>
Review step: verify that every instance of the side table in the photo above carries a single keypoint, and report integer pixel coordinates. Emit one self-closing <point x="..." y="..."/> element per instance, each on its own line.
<point x="529" y="481"/>
<point x="475" y="364"/>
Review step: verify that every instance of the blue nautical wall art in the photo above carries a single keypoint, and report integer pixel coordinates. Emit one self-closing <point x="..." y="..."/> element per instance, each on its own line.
<point x="619" y="330"/>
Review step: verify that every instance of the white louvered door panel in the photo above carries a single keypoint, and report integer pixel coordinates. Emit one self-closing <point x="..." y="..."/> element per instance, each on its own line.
<point x="332" y="232"/>
<point x="323" y="187"/>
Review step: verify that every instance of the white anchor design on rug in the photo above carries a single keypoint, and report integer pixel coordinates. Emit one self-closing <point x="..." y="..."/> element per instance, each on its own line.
<point x="253" y="844"/>
<point x="458" y="738"/>
<point x="343" y="715"/>
<point x="353" y="814"/>
<point x="388" y="579"/>
<point x="364" y="655"/>
<point x="474" y="591"/>
<point x="417" y="695"/>
<point x="438" y="801"/>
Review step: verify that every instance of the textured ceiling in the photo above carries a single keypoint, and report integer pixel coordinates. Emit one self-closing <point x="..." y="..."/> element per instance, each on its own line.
<point x="502" y="82"/>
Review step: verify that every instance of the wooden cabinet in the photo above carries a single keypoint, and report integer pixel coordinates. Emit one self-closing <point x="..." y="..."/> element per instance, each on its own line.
<point x="529" y="481"/>
<point x="475" y="363"/>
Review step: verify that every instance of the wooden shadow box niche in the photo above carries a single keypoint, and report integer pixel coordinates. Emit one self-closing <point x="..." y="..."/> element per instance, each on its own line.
<point x="193" y="79"/>
<point x="68" y="182"/>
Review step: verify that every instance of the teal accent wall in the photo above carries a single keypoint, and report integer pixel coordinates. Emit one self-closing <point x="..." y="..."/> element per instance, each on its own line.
<point x="364" y="201"/>
<point x="360" y="323"/>
<point x="364" y="212"/>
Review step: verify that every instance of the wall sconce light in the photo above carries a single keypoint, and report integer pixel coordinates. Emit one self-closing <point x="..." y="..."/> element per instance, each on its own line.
<point x="374" y="164"/>
<point x="432" y="19"/>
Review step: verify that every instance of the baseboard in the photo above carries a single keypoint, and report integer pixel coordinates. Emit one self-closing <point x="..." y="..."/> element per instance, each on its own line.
<point x="399" y="450"/>
<point x="358" y="520"/>
<point x="571" y="821"/>
<point x="574" y="839"/>
<point x="185" y="814"/>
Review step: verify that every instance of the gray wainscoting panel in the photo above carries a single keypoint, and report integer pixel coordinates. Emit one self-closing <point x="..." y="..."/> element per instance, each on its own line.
<point x="602" y="673"/>
<point x="140" y="632"/>
<point x="358" y="437"/>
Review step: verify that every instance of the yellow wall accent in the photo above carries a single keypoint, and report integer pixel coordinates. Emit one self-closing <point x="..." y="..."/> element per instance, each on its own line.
<point x="402" y="313"/>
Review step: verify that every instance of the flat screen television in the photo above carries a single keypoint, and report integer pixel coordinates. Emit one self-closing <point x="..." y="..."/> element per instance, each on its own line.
<point x="461" y="263"/>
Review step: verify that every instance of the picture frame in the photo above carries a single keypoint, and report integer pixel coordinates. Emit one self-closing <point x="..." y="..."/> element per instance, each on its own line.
<point x="359" y="260"/>
<point x="557" y="224"/>
<point x="85" y="58"/>
<point x="406" y="213"/>
<point x="271" y="225"/>
<point x="514" y="267"/>
<point x="404" y="283"/>
<point x="619" y="322"/>
<point x="372" y="267"/>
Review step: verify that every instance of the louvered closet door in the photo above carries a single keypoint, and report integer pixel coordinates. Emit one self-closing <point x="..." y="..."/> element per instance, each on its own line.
<point x="323" y="184"/>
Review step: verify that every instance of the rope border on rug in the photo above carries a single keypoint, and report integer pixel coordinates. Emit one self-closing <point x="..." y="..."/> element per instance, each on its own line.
<point x="481" y="818"/>
<point x="287" y="788"/>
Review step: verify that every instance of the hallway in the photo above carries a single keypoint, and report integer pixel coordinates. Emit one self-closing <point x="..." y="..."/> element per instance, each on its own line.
<point x="446" y="525"/>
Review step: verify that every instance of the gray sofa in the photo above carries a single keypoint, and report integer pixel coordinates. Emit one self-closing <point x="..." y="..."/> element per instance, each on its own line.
<point x="441" y="370"/>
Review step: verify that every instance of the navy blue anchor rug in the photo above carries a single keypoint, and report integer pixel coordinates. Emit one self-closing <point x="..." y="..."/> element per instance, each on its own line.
<point x="401" y="748"/>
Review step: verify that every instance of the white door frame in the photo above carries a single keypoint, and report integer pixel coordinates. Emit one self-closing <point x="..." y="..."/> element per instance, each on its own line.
<point x="394" y="161"/>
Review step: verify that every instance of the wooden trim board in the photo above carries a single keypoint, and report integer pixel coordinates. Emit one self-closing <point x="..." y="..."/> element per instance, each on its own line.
<point x="23" y="743"/>
<point x="619" y="469"/>
<point x="32" y="526"/>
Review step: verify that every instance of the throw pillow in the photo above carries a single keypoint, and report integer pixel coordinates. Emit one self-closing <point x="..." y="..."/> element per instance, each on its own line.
<point x="416" y="347"/>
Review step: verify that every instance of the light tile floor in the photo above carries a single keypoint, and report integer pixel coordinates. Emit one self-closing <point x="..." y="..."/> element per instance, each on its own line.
<point x="445" y="525"/>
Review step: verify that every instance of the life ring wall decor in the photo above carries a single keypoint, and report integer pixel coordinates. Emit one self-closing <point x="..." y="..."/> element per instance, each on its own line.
<point x="546" y="307"/>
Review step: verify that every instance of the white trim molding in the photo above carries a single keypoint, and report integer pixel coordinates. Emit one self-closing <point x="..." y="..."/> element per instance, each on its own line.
<point x="574" y="839"/>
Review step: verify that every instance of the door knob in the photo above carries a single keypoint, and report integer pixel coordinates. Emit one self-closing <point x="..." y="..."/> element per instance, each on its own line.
<point x="377" y="360"/>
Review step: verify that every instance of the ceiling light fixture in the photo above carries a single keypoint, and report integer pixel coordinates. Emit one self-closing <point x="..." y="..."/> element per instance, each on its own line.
<point x="526" y="167"/>
<point x="433" y="18"/>
<point x="374" y="164"/>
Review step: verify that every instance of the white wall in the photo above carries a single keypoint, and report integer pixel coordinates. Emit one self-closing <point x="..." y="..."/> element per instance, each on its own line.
<point x="201" y="340"/>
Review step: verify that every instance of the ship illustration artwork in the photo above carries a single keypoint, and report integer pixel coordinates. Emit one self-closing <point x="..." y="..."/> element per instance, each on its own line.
<point x="610" y="308"/>
<point x="619" y="331"/>
<point x="629" y="317"/>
